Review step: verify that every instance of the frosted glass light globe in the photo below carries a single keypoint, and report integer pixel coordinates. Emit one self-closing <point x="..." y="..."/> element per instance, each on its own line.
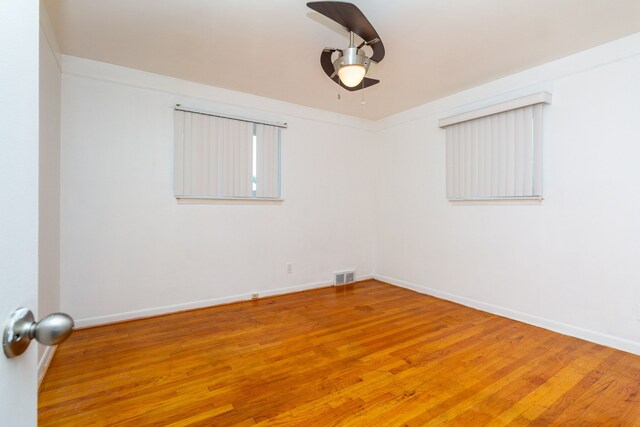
<point x="351" y="75"/>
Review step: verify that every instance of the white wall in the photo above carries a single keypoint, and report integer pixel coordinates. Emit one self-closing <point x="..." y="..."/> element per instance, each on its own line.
<point x="569" y="264"/>
<point x="49" y="177"/>
<point x="129" y="249"/>
<point x="357" y="199"/>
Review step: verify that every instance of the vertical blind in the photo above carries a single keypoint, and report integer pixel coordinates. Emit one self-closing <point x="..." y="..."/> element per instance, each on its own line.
<point x="267" y="161"/>
<point x="496" y="156"/>
<point x="214" y="157"/>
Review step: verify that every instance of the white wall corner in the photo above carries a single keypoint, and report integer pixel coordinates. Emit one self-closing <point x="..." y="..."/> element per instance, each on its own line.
<point x="50" y="34"/>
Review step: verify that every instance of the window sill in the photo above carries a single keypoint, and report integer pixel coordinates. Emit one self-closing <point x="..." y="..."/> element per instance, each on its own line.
<point x="498" y="201"/>
<point x="228" y="200"/>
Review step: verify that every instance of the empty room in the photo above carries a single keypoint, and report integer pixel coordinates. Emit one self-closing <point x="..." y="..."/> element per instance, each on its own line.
<point x="292" y="213"/>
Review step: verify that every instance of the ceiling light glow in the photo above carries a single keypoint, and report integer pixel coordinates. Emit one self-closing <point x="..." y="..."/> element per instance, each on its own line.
<point x="351" y="75"/>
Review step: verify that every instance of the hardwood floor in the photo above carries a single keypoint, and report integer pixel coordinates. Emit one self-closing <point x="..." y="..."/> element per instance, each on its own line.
<point x="370" y="354"/>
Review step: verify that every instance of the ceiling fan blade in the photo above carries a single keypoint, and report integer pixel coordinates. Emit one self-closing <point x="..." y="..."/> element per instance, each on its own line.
<point x="327" y="67"/>
<point x="349" y="16"/>
<point x="326" y="63"/>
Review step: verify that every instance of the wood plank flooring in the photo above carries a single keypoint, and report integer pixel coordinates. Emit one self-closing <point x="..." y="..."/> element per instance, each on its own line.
<point x="369" y="354"/>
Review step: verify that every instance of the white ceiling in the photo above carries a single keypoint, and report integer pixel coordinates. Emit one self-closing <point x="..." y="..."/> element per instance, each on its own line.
<point x="272" y="47"/>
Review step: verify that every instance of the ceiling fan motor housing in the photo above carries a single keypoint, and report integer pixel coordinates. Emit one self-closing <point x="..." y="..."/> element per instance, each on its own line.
<point x="351" y="56"/>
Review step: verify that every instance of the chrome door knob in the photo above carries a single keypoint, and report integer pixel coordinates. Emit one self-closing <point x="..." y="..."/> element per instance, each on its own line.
<point x="22" y="328"/>
<point x="53" y="329"/>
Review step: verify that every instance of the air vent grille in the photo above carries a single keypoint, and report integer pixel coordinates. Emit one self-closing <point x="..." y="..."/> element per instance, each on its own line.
<point x="344" y="277"/>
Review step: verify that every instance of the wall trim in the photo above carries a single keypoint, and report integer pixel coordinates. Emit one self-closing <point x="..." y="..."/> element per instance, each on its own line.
<point x="552" y="325"/>
<point x="191" y="93"/>
<point x="175" y="308"/>
<point x="539" y="78"/>
<point x="45" y="361"/>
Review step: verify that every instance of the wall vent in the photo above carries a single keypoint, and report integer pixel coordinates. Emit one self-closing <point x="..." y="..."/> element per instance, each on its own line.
<point x="344" y="277"/>
<point x="350" y="276"/>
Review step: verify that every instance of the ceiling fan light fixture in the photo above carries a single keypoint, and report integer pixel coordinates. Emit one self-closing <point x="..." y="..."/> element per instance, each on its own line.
<point x="351" y="75"/>
<point x="351" y="66"/>
<point x="347" y="69"/>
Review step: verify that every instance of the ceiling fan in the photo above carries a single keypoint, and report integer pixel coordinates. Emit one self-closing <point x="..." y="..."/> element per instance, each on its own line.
<point x="351" y="65"/>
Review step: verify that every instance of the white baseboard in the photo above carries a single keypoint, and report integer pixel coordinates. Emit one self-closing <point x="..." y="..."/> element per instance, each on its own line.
<point x="155" y="311"/>
<point x="44" y="363"/>
<point x="552" y="325"/>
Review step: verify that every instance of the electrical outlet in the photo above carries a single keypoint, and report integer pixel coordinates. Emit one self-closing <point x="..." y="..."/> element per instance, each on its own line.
<point x="638" y="312"/>
<point x="255" y="295"/>
<point x="289" y="268"/>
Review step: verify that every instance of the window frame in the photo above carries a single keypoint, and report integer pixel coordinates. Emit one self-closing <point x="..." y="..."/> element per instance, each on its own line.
<point x="201" y="198"/>
<point x="532" y="100"/>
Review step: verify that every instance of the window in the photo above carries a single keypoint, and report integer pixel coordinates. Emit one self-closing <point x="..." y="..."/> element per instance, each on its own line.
<point x="496" y="152"/>
<point x="224" y="158"/>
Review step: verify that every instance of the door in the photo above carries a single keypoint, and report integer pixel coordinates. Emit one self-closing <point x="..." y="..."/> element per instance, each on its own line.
<point x="19" y="26"/>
